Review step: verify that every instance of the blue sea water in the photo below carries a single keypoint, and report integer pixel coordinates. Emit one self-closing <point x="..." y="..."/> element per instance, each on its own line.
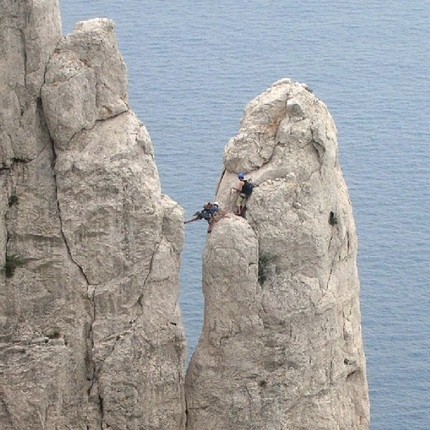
<point x="193" y="66"/>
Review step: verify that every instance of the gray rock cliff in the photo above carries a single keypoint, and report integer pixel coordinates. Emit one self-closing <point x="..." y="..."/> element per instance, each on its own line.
<point x="91" y="334"/>
<point x="281" y="346"/>
<point x="91" y="331"/>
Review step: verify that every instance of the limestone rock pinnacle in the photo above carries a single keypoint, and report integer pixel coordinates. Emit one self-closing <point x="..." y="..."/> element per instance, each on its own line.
<point x="281" y="345"/>
<point x="91" y="331"/>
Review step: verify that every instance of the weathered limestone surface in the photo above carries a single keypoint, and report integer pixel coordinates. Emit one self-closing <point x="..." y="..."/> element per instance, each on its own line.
<point x="281" y="346"/>
<point x="29" y="31"/>
<point x="91" y="335"/>
<point x="91" y="332"/>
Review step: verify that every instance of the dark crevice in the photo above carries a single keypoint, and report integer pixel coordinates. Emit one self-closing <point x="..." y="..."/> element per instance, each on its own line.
<point x="329" y="276"/>
<point x="24" y="50"/>
<point x="332" y="219"/>
<point x="101" y="406"/>
<point x="320" y="150"/>
<point x="151" y="264"/>
<point x="351" y="375"/>
<point x="111" y="117"/>
<point x="61" y="223"/>
<point x="220" y="180"/>
<point x="68" y="248"/>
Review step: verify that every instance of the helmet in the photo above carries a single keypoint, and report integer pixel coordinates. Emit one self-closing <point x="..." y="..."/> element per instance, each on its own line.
<point x="216" y="204"/>
<point x="241" y="176"/>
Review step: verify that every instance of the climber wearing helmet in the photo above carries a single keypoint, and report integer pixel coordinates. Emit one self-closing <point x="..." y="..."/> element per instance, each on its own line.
<point x="207" y="213"/>
<point x="241" y="198"/>
<point x="217" y="215"/>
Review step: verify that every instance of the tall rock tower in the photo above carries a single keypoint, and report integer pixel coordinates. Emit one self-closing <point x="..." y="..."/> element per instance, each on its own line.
<point x="91" y="335"/>
<point x="281" y="346"/>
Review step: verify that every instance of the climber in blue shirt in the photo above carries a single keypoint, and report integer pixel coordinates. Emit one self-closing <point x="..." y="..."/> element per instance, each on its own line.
<point x="208" y="212"/>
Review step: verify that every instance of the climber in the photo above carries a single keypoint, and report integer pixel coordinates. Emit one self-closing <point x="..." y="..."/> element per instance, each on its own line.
<point x="208" y="212"/>
<point x="217" y="215"/>
<point x="244" y="188"/>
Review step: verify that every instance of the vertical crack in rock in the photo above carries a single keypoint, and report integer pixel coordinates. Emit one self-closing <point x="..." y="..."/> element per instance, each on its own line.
<point x="145" y="281"/>
<point x="24" y="52"/>
<point x="65" y="240"/>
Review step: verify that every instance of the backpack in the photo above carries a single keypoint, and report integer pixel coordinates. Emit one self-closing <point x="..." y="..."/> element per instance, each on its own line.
<point x="247" y="188"/>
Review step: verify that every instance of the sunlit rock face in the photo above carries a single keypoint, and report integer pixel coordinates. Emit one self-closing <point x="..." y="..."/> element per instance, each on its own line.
<point x="91" y="331"/>
<point x="281" y="346"/>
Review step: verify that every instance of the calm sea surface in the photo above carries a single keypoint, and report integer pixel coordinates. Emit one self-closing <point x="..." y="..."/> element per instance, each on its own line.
<point x="193" y="66"/>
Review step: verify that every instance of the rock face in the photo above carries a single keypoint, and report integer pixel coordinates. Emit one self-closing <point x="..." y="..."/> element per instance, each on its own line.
<point x="91" y="331"/>
<point x="281" y="346"/>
